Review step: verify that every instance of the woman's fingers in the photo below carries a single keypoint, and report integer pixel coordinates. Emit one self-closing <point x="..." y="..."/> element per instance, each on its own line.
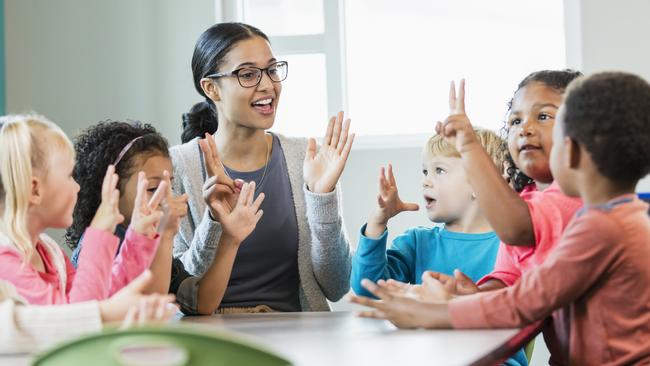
<point x="258" y="216"/>
<point x="344" y="136"/>
<point x="221" y="211"/>
<point x="208" y="155"/>
<point x="336" y="131"/>
<point x="213" y="148"/>
<point x="347" y="148"/>
<point x="258" y="202"/>
<point x="243" y="195"/>
<point x="328" y="134"/>
<point x="311" y="149"/>
<point x="251" y="194"/>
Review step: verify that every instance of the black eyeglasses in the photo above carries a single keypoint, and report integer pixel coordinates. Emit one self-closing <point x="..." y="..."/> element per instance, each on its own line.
<point x="251" y="76"/>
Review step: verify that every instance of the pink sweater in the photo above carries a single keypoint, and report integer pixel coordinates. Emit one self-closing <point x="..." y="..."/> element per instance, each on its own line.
<point x="595" y="283"/>
<point x="550" y="211"/>
<point x="99" y="275"/>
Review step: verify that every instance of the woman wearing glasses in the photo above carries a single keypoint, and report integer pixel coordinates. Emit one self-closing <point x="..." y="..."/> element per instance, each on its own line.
<point x="298" y="255"/>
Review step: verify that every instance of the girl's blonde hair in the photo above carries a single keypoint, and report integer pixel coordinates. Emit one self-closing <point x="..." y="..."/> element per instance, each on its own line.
<point x="493" y="144"/>
<point x="26" y="144"/>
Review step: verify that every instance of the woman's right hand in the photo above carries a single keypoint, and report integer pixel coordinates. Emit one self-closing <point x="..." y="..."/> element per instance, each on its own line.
<point x="108" y="215"/>
<point x="241" y="220"/>
<point x="219" y="187"/>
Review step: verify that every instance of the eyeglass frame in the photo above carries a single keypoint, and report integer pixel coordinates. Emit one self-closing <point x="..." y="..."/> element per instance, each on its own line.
<point x="259" y="80"/>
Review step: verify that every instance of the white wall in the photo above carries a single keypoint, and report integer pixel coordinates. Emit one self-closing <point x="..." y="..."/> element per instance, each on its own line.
<point x="607" y="35"/>
<point x="82" y="61"/>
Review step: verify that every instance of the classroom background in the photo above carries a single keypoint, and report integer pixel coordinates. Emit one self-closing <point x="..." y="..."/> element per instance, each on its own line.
<point x="82" y="61"/>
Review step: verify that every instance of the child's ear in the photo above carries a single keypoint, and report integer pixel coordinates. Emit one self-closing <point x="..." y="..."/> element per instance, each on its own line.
<point x="210" y="88"/>
<point x="36" y="194"/>
<point x="574" y="153"/>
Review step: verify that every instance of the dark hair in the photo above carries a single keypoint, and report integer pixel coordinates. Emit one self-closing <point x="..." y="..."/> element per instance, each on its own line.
<point x="609" y="114"/>
<point x="97" y="147"/>
<point x="555" y="79"/>
<point x="211" y="48"/>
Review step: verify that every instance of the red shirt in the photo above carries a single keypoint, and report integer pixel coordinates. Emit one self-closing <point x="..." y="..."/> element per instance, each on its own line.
<point x="597" y="278"/>
<point x="550" y="212"/>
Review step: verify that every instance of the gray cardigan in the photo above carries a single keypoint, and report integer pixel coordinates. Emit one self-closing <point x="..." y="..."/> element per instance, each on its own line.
<point x="324" y="260"/>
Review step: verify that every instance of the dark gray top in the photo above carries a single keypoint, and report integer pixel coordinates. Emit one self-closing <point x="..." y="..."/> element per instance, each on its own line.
<point x="265" y="271"/>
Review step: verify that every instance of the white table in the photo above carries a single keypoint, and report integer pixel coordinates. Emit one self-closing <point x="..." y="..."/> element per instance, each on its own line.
<point x="341" y="338"/>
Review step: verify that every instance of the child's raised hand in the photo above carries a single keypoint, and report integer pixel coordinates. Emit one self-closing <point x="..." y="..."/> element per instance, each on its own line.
<point x="146" y="215"/>
<point x="176" y="209"/>
<point x="457" y="128"/>
<point x="239" y="222"/>
<point x="389" y="204"/>
<point x="108" y="214"/>
<point x="388" y="200"/>
<point x="219" y="187"/>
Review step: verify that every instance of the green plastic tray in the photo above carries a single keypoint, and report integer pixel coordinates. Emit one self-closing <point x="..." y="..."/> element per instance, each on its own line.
<point x="160" y="346"/>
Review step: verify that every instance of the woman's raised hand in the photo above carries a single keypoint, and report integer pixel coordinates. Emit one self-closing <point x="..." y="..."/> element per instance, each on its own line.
<point x="323" y="166"/>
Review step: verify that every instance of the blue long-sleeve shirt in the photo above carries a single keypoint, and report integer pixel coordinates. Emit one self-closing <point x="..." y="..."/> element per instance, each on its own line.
<point x="425" y="249"/>
<point x="422" y="249"/>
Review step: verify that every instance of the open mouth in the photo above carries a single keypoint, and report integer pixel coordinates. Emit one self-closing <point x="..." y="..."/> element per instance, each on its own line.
<point x="263" y="106"/>
<point x="529" y="147"/>
<point x="430" y="201"/>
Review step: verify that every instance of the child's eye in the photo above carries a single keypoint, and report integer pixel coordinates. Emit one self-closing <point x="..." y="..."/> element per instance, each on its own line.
<point x="425" y="172"/>
<point x="544" y="116"/>
<point x="515" y="121"/>
<point x="440" y="171"/>
<point x="152" y="189"/>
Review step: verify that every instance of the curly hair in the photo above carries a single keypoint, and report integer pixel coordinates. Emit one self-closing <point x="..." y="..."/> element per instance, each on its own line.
<point x="97" y="147"/>
<point x="611" y="109"/>
<point x="555" y="79"/>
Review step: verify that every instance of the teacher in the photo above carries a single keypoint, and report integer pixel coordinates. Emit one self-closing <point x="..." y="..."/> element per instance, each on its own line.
<point x="298" y="256"/>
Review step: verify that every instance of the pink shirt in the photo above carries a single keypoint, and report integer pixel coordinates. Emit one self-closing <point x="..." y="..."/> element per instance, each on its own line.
<point x="97" y="277"/>
<point x="550" y="212"/>
<point x="595" y="283"/>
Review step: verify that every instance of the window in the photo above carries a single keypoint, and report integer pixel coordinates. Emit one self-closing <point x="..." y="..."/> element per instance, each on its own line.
<point x="389" y="63"/>
<point x="307" y="34"/>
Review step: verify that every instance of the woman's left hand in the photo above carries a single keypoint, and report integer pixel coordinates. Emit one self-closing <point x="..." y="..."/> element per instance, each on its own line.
<point x="323" y="167"/>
